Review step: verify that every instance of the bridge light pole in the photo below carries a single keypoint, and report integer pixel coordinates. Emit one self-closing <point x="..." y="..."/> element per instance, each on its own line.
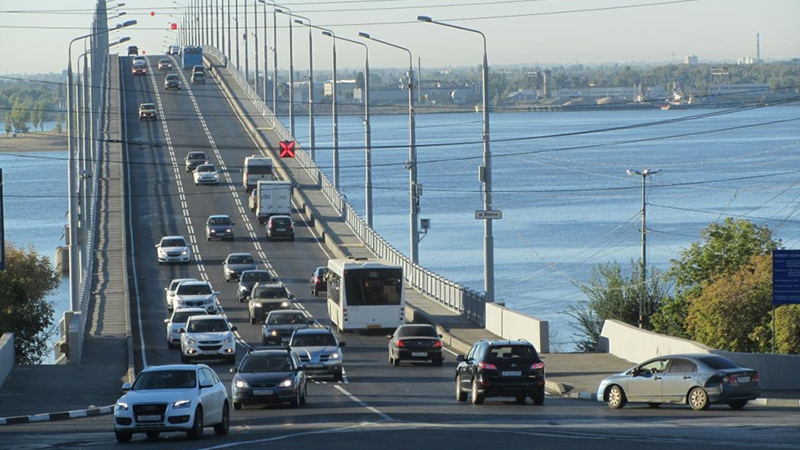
<point x="288" y="12"/>
<point x="311" y="131"/>
<point x="334" y="110"/>
<point x="486" y="168"/>
<point x="367" y="132"/>
<point x="266" y="52"/>
<point x="643" y="300"/>
<point x="411" y="164"/>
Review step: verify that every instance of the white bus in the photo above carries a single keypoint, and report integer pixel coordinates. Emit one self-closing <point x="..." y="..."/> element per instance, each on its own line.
<point x="365" y="294"/>
<point x="255" y="169"/>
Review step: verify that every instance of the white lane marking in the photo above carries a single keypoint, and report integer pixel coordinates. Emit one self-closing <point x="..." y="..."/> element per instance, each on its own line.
<point x="368" y="407"/>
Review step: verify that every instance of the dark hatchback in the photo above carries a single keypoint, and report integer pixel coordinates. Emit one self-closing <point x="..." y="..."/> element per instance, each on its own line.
<point x="415" y="342"/>
<point x="500" y="369"/>
<point x="269" y="376"/>
<point x="317" y="282"/>
<point x="280" y="227"/>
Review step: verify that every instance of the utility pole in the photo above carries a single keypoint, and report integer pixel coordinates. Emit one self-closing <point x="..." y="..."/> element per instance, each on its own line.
<point x="643" y="300"/>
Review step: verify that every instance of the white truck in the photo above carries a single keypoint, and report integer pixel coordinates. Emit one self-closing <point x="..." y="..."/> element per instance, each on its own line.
<point x="272" y="198"/>
<point x="255" y="169"/>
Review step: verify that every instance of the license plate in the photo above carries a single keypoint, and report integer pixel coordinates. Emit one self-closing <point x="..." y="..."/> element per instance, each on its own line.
<point x="315" y="366"/>
<point x="373" y="326"/>
<point x="151" y="418"/>
<point x="262" y="391"/>
<point x="743" y="379"/>
<point x="511" y="373"/>
<point x="419" y="354"/>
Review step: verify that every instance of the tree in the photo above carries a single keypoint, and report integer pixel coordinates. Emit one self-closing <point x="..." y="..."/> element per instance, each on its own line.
<point x="24" y="309"/>
<point x="725" y="247"/>
<point x="612" y="296"/>
<point x="787" y="329"/>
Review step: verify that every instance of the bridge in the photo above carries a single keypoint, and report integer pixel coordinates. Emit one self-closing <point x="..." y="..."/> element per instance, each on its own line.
<point x="143" y="193"/>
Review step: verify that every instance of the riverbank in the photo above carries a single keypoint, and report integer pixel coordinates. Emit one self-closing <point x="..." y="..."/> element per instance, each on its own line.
<point x="33" y="142"/>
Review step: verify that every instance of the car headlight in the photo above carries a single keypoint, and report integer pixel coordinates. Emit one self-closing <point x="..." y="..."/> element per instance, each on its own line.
<point x="182" y="404"/>
<point x="240" y="383"/>
<point x="258" y="304"/>
<point x="286" y="383"/>
<point x="273" y="333"/>
<point x="121" y="406"/>
<point x="335" y="355"/>
<point x="228" y="340"/>
<point x="185" y="251"/>
<point x="228" y="230"/>
<point x="191" y="341"/>
<point x="161" y="252"/>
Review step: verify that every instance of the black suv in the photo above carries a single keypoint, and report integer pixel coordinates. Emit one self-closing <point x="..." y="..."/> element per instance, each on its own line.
<point x="500" y="369"/>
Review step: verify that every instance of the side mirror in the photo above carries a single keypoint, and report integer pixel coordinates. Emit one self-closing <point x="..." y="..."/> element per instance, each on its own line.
<point x="207" y="385"/>
<point x="234" y="328"/>
<point x="460" y="358"/>
<point x="215" y="292"/>
<point x="182" y="330"/>
<point x="166" y="320"/>
<point x="440" y="336"/>
<point x="126" y="386"/>
<point x="342" y="344"/>
<point x="292" y="298"/>
<point x="233" y="370"/>
<point x="156" y="246"/>
<point x="389" y="336"/>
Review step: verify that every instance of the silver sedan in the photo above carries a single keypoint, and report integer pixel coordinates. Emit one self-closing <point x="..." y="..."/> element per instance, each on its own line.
<point x="694" y="379"/>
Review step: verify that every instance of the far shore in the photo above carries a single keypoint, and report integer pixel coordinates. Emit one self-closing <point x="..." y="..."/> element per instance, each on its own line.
<point x="32" y="142"/>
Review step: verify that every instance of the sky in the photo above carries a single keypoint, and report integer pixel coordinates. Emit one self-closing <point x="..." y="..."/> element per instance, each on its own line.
<point x="547" y="33"/>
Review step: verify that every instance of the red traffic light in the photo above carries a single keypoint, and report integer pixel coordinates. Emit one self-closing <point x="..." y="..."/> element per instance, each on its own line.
<point x="152" y="13"/>
<point x="174" y="26"/>
<point x="287" y="149"/>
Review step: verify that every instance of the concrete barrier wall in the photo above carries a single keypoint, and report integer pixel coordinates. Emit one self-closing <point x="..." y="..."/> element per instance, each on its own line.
<point x="777" y="372"/>
<point x="6" y="355"/>
<point x="510" y="324"/>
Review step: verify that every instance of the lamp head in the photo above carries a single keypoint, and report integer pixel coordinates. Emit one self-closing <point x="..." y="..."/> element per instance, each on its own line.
<point x="364" y="35"/>
<point x="327" y="33"/>
<point x="424" y="19"/>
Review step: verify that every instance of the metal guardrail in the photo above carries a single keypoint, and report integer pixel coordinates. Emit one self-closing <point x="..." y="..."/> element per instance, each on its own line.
<point x="450" y="294"/>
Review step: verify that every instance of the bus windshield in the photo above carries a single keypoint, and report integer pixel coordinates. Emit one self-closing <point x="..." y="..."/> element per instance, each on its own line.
<point x="373" y="287"/>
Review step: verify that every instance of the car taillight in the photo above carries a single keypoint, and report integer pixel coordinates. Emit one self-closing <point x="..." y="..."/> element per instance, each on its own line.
<point x="486" y="366"/>
<point x="537" y="366"/>
<point x="755" y="377"/>
<point x="437" y="344"/>
<point x="401" y="344"/>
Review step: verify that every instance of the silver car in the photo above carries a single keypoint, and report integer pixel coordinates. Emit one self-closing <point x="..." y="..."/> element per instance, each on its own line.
<point x="236" y="263"/>
<point x="694" y="379"/>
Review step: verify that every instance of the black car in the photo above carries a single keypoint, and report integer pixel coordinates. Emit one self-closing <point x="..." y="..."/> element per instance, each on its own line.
<point x="248" y="279"/>
<point x="500" y="369"/>
<point x="133" y="50"/>
<point x="318" y="282"/>
<point x="280" y="227"/>
<point x="415" y="342"/>
<point x="267" y="297"/>
<point x="269" y="376"/>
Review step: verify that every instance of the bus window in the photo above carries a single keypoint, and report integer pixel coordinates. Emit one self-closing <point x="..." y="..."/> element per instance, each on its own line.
<point x="334" y="287"/>
<point x="373" y="287"/>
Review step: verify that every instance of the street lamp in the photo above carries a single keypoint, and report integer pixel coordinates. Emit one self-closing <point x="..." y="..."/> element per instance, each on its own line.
<point x="255" y="34"/>
<point x="74" y="268"/>
<point x="291" y="69"/>
<point x="266" y="52"/>
<point x="642" y="301"/>
<point x="311" y="138"/>
<point x="367" y="132"/>
<point x="411" y="164"/>
<point x="486" y="168"/>
<point x="334" y="110"/>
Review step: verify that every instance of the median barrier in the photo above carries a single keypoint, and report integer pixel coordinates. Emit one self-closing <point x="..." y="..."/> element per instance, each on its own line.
<point x="6" y="355"/>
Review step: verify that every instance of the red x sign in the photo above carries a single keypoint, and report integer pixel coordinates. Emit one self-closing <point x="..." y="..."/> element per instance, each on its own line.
<point x="287" y="149"/>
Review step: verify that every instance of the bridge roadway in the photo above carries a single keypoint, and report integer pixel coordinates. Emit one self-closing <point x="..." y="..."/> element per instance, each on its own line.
<point x="376" y="404"/>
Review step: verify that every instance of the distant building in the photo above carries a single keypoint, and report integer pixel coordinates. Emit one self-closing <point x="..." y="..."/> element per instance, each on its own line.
<point x="344" y="89"/>
<point x="746" y="61"/>
<point x="691" y="60"/>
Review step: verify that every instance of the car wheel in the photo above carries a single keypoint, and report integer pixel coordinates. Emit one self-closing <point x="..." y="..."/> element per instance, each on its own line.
<point x="738" y="404"/>
<point x="396" y="362"/>
<point x="237" y="406"/>
<point x="438" y="362"/>
<point x="338" y="376"/>
<point x="197" y="426"/>
<point x="185" y="359"/>
<point x="296" y="399"/>
<point x="208" y="238"/>
<point x="654" y="405"/>
<point x="698" y="399"/>
<point x="316" y="292"/>
<point x="616" y="397"/>
<point x="123" y="437"/>
<point x="152" y="434"/>
<point x="252" y="320"/>
<point x="170" y="345"/>
<point x="304" y="398"/>
<point x="292" y="238"/>
<point x="520" y="399"/>
<point x="461" y="396"/>
<point x="223" y="427"/>
<point x="477" y="398"/>
<point x="538" y="398"/>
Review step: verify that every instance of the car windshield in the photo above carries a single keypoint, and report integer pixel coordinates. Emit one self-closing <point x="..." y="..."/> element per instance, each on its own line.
<point x="183" y="316"/>
<point x="148" y="107"/>
<point x="165" y="379"/>
<point x="265" y="363"/>
<point x="249" y="277"/>
<point x="718" y="362"/>
<point x="173" y="243"/>
<point x="208" y="326"/>
<point x="271" y="292"/>
<point x="172" y="77"/>
<point x="281" y="222"/>
<point x="506" y="352"/>
<point x="196" y="155"/>
<point x="206" y="168"/>
<point x="417" y="331"/>
<point x="286" y="319"/>
<point x="219" y="221"/>
<point x="313" y="340"/>
<point x="194" y="289"/>
<point x="241" y="259"/>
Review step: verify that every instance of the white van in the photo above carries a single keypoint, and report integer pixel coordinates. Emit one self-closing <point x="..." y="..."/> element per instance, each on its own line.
<point x="256" y="168"/>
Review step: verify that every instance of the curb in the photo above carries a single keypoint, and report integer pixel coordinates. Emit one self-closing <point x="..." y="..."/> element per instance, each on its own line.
<point x="759" y="402"/>
<point x="47" y="417"/>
